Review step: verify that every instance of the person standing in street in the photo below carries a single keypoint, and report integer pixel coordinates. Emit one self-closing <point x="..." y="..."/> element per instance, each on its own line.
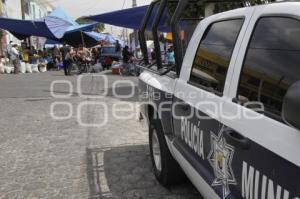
<point x="26" y="54"/>
<point x="64" y="51"/>
<point x="84" y="56"/>
<point x="153" y="56"/>
<point x="170" y="56"/>
<point x="15" y="58"/>
<point x="95" y="55"/>
<point x="126" y="55"/>
<point x="68" y="61"/>
<point x="9" y="46"/>
<point x="33" y="55"/>
<point x="117" y="47"/>
<point x="127" y="59"/>
<point x="56" y="56"/>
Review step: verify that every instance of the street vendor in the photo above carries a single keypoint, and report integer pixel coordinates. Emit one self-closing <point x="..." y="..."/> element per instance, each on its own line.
<point x="83" y="53"/>
<point x="25" y="54"/>
<point x="33" y="56"/>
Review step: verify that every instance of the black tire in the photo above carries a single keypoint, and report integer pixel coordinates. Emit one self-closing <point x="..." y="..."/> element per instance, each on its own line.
<point x="170" y="173"/>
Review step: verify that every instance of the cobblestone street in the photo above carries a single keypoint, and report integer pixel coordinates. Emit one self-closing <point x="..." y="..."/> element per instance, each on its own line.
<point x="45" y="158"/>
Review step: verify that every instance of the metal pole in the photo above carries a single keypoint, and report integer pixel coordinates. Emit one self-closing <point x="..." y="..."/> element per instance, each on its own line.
<point x="178" y="49"/>
<point x="82" y="39"/>
<point x="28" y="41"/>
<point x="160" y="12"/>
<point x="134" y="4"/>
<point x="2" y="31"/>
<point x="135" y="33"/>
<point x="142" y="30"/>
<point x="23" y="9"/>
<point x="209" y="9"/>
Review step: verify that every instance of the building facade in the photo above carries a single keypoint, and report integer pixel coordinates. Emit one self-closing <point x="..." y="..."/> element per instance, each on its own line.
<point x="28" y="10"/>
<point x="3" y="39"/>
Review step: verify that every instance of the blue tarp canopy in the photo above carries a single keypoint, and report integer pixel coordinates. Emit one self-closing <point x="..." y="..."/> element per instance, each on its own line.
<point x="55" y="26"/>
<point x="25" y="28"/>
<point x="52" y="42"/>
<point x="58" y="22"/>
<point x="78" y="38"/>
<point x="105" y="37"/>
<point x="131" y="18"/>
<point x="75" y="39"/>
<point x="89" y="38"/>
<point x="96" y="35"/>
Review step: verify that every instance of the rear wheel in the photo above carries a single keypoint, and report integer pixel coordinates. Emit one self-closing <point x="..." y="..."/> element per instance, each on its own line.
<point x="166" y="169"/>
<point x="156" y="151"/>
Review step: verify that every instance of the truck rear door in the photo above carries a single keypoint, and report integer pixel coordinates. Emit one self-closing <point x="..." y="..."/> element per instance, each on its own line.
<point x="269" y="63"/>
<point x="199" y="94"/>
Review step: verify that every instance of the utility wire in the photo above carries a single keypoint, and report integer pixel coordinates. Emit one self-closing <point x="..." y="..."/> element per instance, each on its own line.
<point x="123" y="4"/>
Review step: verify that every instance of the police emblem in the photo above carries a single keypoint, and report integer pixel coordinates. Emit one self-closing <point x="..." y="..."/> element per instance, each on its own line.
<point x="220" y="158"/>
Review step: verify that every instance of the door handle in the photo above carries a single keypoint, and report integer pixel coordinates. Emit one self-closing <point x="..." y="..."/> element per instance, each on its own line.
<point x="236" y="139"/>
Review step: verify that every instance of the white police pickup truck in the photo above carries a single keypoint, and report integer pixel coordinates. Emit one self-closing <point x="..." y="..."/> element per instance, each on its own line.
<point x="231" y="118"/>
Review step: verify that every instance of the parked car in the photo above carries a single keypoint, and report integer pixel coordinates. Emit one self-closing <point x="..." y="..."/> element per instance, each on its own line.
<point x="230" y="119"/>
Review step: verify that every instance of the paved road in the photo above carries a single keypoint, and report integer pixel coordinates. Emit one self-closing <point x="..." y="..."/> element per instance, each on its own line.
<point x="43" y="157"/>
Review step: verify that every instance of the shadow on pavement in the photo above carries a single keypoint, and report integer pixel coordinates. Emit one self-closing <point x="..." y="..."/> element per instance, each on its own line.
<point x="126" y="173"/>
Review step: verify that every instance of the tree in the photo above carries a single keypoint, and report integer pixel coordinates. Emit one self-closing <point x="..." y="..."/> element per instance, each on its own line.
<point x="83" y="20"/>
<point x="100" y="27"/>
<point x="196" y="9"/>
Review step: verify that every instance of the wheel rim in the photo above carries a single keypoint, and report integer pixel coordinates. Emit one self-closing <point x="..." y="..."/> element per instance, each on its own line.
<point x="156" y="151"/>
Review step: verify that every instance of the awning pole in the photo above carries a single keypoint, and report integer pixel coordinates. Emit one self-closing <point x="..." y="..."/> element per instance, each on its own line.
<point x="141" y="32"/>
<point x="82" y="39"/>
<point x="161" y="9"/>
<point x="182" y="4"/>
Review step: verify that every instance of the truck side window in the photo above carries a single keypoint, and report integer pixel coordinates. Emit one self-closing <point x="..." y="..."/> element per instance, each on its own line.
<point x="213" y="55"/>
<point x="272" y="63"/>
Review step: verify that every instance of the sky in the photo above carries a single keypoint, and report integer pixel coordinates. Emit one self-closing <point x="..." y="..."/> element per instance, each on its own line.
<point x="78" y="8"/>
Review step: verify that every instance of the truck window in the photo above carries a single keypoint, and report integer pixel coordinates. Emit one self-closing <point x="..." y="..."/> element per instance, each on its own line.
<point x="272" y="63"/>
<point x="213" y="55"/>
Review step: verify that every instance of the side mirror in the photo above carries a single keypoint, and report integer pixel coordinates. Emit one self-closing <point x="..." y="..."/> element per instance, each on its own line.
<point x="291" y="106"/>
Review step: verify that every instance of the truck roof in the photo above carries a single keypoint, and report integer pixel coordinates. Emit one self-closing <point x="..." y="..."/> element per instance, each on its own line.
<point x="276" y="5"/>
<point x="280" y="5"/>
